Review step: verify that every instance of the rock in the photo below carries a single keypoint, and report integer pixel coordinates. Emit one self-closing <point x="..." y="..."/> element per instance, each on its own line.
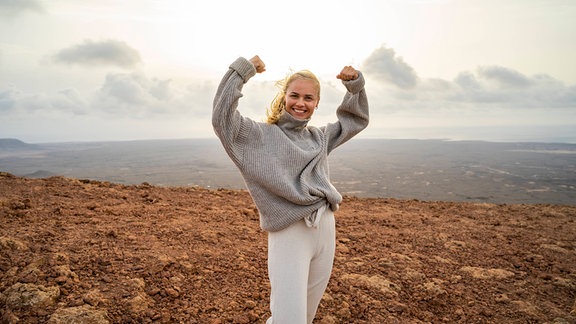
<point x="502" y="298"/>
<point x="328" y="319"/>
<point x="250" y="304"/>
<point x="94" y="297"/>
<point x="434" y="289"/>
<point x="481" y="273"/>
<point x="9" y="317"/>
<point x="373" y="282"/>
<point x="555" y="248"/>
<point x="12" y="244"/>
<point x="79" y="315"/>
<point x="527" y="307"/>
<point x="396" y="306"/>
<point x="30" y="295"/>
<point x="241" y="319"/>
<point x="140" y="303"/>
<point x="64" y="271"/>
<point x="172" y="292"/>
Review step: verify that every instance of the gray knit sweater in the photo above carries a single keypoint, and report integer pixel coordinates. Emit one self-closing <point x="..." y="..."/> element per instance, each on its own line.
<point x="285" y="165"/>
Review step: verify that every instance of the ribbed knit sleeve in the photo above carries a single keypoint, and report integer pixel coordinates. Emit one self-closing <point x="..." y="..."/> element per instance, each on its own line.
<point x="229" y="125"/>
<point x="353" y="114"/>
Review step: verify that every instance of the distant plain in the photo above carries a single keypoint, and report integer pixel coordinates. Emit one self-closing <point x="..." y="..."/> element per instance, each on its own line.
<point x="429" y="170"/>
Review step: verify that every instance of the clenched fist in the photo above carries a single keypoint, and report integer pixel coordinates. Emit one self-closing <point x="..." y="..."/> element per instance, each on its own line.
<point x="258" y="64"/>
<point x="348" y="73"/>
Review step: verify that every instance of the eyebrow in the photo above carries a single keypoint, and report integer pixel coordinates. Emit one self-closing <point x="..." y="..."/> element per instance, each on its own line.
<point x="309" y="95"/>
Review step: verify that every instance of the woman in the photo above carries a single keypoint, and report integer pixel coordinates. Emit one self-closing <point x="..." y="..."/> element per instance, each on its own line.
<point x="284" y="163"/>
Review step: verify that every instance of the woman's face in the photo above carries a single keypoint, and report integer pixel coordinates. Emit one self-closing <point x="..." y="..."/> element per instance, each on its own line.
<point x="302" y="98"/>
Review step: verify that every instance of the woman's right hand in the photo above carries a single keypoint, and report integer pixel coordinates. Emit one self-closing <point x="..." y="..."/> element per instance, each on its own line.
<point x="258" y="64"/>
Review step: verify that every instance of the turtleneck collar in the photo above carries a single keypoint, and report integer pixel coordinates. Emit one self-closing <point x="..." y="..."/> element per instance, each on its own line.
<point x="289" y="123"/>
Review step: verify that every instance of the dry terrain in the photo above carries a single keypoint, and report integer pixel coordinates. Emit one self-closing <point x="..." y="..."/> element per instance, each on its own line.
<point x="85" y="251"/>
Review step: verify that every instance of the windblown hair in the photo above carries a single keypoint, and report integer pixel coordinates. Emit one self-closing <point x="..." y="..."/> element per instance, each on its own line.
<point x="278" y="104"/>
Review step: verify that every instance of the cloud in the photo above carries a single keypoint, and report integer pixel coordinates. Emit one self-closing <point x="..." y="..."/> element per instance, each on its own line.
<point x="17" y="103"/>
<point x="121" y="95"/>
<point x="69" y="100"/>
<point x="496" y="84"/>
<point x="487" y="87"/>
<point x="108" y="52"/>
<point x="136" y="95"/>
<point x="133" y="94"/>
<point x="491" y="86"/>
<point x="12" y="8"/>
<point x="384" y="65"/>
<point x="504" y="76"/>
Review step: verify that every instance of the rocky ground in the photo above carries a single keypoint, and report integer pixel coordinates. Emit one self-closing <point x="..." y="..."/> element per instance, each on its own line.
<point x="81" y="251"/>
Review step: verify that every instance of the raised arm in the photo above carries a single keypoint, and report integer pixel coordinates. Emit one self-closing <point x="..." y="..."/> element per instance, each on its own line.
<point x="353" y="112"/>
<point x="229" y="125"/>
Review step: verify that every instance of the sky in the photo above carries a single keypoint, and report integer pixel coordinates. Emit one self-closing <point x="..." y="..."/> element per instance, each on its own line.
<point x="495" y="70"/>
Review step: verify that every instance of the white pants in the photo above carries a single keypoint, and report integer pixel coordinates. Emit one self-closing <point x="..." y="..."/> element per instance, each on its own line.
<point x="300" y="261"/>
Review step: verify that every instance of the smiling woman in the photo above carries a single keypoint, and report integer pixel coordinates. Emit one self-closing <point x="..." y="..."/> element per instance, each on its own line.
<point x="284" y="163"/>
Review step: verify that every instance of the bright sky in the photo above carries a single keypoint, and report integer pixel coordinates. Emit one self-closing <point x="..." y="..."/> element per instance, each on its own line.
<point x="78" y="70"/>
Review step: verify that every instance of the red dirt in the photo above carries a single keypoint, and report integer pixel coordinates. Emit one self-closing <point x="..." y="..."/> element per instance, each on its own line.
<point x="102" y="252"/>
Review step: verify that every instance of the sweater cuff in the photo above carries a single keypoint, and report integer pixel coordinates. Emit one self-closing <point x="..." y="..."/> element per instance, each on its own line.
<point x="355" y="86"/>
<point x="245" y="68"/>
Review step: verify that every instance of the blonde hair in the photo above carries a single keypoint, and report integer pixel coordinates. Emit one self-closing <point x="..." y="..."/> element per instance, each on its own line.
<point x="278" y="104"/>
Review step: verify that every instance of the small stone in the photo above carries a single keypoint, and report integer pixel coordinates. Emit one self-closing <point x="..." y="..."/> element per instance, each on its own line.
<point x="172" y="292"/>
<point x="396" y="307"/>
<point x="153" y="291"/>
<point x="61" y="279"/>
<point x="250" y="304"/>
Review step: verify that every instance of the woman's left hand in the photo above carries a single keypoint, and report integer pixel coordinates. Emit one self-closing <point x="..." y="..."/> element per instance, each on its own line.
<point x="348" y="73"/>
